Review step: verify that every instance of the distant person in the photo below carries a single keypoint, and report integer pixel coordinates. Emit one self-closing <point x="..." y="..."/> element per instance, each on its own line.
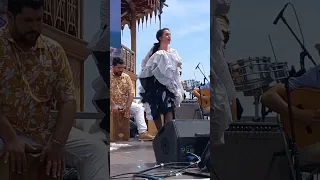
<point x="161" y="89"/>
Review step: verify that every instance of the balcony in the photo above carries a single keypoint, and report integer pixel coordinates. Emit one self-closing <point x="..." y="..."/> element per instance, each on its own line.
<point x="64" y="15"/>
<point x="129" y="59"/>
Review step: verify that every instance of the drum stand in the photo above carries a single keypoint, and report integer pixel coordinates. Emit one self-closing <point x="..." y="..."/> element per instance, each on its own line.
<point x="256" y="93"/>
<point x="256" y="104"/>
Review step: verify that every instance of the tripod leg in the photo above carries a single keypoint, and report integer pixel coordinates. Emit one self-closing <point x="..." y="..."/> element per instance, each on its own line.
<point x="288" y="152"/>
<point x="200" y="111"/>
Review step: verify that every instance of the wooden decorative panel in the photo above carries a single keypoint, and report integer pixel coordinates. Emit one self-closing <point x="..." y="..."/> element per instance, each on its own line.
<point x="144" y="10"/>
<point x="129" y="59"/>
<point x="64" y="15"/>
<point x="119" y="128"/>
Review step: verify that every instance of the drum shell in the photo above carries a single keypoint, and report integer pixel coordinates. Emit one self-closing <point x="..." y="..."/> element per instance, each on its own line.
<point x="252" y="73"/>
<point x="279" y="70"/>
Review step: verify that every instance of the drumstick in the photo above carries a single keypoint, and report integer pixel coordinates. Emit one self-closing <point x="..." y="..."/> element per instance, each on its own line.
<point x="274" y="54"/>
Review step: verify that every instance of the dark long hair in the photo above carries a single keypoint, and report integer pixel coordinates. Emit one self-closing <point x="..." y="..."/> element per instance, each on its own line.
<point x="156" y="46"/>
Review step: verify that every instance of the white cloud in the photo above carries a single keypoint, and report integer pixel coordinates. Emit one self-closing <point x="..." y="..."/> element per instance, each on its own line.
<point x="186" y="30"/>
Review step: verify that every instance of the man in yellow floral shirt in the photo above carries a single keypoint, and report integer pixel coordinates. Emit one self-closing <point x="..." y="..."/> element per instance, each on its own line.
<point x="34" y="71"/>
<point x="122" y="94"/>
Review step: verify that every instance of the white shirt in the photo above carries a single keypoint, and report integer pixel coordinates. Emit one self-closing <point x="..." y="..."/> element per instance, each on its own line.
<point x="147" y="57"/>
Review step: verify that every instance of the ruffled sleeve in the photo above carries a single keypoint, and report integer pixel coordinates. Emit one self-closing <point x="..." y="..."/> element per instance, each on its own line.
<point x="145" y="59"/>
<point x="178" y="57"/>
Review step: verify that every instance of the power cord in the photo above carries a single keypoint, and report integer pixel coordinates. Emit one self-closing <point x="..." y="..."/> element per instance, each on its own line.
<point x="150" y="169"/>
<point x="215" y="173"/>
<point x="295" y="13"/>
<point x="142" y="174"/>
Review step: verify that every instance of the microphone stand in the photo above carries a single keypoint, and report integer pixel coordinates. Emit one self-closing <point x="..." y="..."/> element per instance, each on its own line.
<point x="204" y="82"/>
<point x="304" y="52"/>
<point x="294" y="147"/>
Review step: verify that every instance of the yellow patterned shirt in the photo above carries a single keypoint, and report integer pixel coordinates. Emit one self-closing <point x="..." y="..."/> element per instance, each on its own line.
<point x="120" y="88"/>
<point x="30" y="81"/>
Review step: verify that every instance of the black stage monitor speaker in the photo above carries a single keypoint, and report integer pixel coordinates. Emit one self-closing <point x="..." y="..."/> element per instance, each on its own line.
<point x="178" y="137"/>
<point x="189" y="109"/>
<point x="248" y="152"/>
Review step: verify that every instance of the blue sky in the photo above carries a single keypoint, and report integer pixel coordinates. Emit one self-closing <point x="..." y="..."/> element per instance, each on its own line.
<point x="115" y="24"/>
<point x="189" y="22"/>
<point x="115" y="15"/>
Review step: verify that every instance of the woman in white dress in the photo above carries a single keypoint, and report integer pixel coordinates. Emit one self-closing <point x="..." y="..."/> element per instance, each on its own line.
<point x="161" y="89"/>
<point x="222" y="87"/>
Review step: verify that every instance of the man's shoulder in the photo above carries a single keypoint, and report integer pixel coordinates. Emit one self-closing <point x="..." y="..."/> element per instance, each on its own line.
<point x="309" y="79"/>
<point x="50" y="43"/>
<point x="3" y="39"/>
<point x="125" y="75"/>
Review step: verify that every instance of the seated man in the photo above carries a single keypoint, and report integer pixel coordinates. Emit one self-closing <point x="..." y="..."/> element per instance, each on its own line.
<point x="122" y="94"/>
<point x="205" y="97"/>
<point x="39" y="74"/>
<point x="274" y="100"/>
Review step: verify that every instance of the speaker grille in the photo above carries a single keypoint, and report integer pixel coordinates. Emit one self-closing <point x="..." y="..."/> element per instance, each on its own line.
<point x="165" y="146"/>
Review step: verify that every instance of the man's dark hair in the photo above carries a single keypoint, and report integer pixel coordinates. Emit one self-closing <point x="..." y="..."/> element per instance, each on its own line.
<point x="16" y="6"/>
<point x="117" y="61"/>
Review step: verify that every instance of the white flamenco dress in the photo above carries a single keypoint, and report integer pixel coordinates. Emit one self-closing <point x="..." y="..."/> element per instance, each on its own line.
<point x="222" y="86"/>
<point x="161" y="89"/>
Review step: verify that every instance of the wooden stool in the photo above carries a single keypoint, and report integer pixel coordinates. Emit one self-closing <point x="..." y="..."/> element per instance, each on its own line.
<point x="35" y="170"/>
<point x="119" y="128"/>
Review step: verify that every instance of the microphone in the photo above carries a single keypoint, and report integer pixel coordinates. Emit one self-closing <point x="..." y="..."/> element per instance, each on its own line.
<point x="197" y="66"/>
<point x="280" y="15"/>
